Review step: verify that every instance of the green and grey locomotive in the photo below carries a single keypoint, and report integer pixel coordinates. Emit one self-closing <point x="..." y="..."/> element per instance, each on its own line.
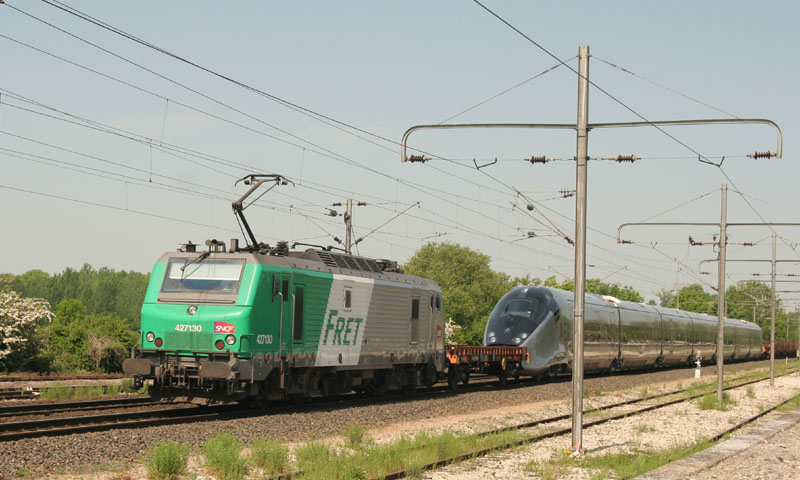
<point x="265" y="323"/>
<point x="617" y="334"/>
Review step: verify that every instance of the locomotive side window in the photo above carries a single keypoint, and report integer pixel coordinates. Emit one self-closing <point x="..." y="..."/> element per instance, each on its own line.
<point x="432" y="303"/>
<point x="414" y="320"/>
<point x="348" y="298"/>
<point x="285" y="290"/>
<point x="298" y="314"/>
<point x="438" y="303"/>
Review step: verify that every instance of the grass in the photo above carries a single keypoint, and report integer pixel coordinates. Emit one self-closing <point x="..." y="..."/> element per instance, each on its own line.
<point x="355" y="437"/>
<point x="709" y="402"/>
<point x="645" y="393"/>
<point x="63" y="392"/>
<point x="166" y="460"/>
<point x="613" y="465"/>
<point x="316" y="460"/>
<point x="790" y="405"/>
<point x="222" y="452"/>
<point x="645" y="429"/>
<point x="751" y="392"/>
<point x="271" y="456"/>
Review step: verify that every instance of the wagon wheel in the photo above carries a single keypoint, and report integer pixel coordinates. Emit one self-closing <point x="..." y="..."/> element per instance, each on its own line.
<point x="503" y="375"/>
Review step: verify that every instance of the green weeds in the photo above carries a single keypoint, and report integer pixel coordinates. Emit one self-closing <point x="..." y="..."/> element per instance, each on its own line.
<point x="222" y="452"/>
<point x="709" y="402"/>
<point x="166" y="460"/>
<point x="271" y="456"/>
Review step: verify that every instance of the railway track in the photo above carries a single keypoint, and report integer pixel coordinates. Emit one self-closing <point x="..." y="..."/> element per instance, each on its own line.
<point x="60" y="407"/>
<point x="565" y="431"/>
<point x="61" y="378"/>
<point x="139" y="419"/>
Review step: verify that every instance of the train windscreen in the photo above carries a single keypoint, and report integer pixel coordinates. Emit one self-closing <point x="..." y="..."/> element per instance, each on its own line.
<point x="210" y="276"/>
<point x="517" y="315"/>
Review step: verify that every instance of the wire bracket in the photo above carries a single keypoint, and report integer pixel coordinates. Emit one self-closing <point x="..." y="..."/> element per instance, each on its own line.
<point x="485" y="165"/>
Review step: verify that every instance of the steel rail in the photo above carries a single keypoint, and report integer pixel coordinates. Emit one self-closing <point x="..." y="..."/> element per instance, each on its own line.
<point x="565" y="431"/>
<point x="48" y="408"/>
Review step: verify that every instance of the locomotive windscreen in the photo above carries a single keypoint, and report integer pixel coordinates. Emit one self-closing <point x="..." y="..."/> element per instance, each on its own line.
<point x="517" y="315"/>
<point x="212" y="276"/>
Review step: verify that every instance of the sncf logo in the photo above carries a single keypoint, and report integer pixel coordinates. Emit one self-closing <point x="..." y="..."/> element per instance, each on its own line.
<point x="224" y="327"/>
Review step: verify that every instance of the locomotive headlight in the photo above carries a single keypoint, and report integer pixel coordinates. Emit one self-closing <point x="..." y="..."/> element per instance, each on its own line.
<point x="517" y="340"/>
<point x="524" y="335"/>
<point x="192" y="309"/>
<point x="150" y="336"/>
<point x="230" y="339"/>
<point x="492" y="339"/>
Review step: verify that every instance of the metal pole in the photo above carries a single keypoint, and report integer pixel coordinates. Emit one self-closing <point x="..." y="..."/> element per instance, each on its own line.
<point x="723" y="241"/>
<point x="580" y="248"/>
<point x="772" y="321"/>
<point x="348" y="222"/>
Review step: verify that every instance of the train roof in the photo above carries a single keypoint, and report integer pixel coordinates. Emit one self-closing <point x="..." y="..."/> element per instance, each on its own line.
<point x="595" y="299"/>
<point x="321" y="261"/>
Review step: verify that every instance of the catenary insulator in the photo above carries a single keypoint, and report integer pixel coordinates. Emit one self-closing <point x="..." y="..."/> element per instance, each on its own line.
<point x="541" y="159"/>
<point x="762" y="155"/>
<point x="625" y="158"/>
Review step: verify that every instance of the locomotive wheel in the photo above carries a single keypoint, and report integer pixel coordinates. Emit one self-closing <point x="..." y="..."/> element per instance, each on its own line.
<point x="465" y="376"/>
<point x="408" y="389"/>
<point x="503" y="376"/>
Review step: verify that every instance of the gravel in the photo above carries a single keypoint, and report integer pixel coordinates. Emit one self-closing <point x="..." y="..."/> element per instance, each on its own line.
<point x="387" y="419"/>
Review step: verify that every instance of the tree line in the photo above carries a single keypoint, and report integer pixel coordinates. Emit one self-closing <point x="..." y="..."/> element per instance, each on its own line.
<point x="76" y="320"/>
<point x="88" y="319"/>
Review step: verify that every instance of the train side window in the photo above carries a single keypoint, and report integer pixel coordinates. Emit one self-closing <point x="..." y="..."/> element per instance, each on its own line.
<point x="438" y="303"/>
<point x="414" y="320"/>
<point x="432" y="303"/>
<point x="298" y="314"/>
<point x="348" y="298"/>
<point x="285" y="290"/>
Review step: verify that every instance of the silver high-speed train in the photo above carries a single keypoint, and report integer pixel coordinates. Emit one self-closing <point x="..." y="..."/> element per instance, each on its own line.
<point x="617" y="334"/>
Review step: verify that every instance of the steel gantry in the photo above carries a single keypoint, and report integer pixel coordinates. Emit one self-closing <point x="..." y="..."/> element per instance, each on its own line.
<point x="582" y="128"/>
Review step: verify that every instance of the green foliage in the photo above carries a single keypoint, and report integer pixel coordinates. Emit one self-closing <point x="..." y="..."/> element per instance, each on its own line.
<point x="312" y="456"/>
<point x="317" y="461"/>
<point x="81" y="342"/>
<point x="470" y="287"/>
<point x="20" y="318"/>
<point x="355" y="437"/>
<point x="103" y="291"/>
<point x="97" y="321"/>
<point x="691" y="298"/>
<point x="166" y="460"/>
<point x="222" y="452"/>
<point x="271" y="456"/>
<point x="709" y="402"/>
<point x="630" y="465"/>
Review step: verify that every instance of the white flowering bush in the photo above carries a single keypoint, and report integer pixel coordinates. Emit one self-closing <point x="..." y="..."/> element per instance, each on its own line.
<point x="450" y="328"/>
<point x="18" y="320"/>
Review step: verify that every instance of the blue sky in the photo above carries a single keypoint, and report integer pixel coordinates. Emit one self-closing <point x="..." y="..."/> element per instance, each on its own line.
<point x="383" y="67"/>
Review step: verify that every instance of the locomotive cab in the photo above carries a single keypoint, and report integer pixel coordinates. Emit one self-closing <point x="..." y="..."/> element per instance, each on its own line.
<point x="527" y="316"/>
